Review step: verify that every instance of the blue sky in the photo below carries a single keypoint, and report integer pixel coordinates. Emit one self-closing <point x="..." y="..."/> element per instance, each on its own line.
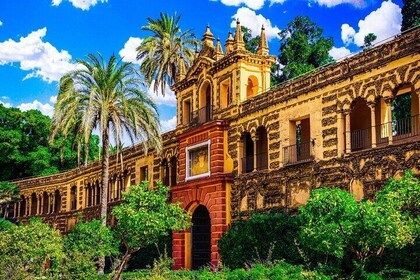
<point x="40" y="39"/>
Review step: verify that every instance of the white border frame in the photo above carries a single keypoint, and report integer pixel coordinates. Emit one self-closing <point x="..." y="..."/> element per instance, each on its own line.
<point x="187" y="164"/>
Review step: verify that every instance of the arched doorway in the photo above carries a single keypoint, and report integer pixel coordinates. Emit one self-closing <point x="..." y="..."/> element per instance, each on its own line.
<point x="201" y="234"/>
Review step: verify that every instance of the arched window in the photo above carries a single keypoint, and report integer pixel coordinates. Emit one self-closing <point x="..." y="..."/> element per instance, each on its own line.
<point x="205" y="104"/>
<point x="73" y="198"/>
<point x="45" y="203"/>
<point x="247" y="153"/>
<point x="57" y="201"/>
<point x="165" y="172"/>
<point x="34" y="204"/>
<point x="225" y="94"/>
<point x="22" y="206"/>
<point x="251" y="87"/>
<point x="360" y="125"/>
<point x="98" y="193"/>
<point x="405" y="111"/>
<point x="262" y="149"/>
<point x="174" y="163"/>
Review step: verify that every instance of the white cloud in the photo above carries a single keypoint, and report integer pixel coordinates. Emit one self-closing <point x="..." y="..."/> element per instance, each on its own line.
<point x="46" y="109"/>
<point x="272" y="2"/>
<point x="37" y="56"/>
<point x="383" y="22"/>
<point x="347" y="33"/>
<point x="338" y="53"/>
<point x="253" y="4"/>
<point x="129" y="53"/>
<point x="254" y="22"/>
<point x="169" y="99"/>
<point x="53" y="99"/>
<point x="81" y="4"/>
<point x="167" y="125"/>
<point x="1" y="23"/>
<point x="332" y="3"/>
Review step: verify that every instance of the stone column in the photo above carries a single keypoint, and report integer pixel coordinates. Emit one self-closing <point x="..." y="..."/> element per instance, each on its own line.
<point x="28" y="206"/>
<point x="340" y="133"/>
<point x="240" y="155"/>
<point x="389" y="112"/>
<point x="15" y="209"/>
<point x="169" y="173"/>
<point x="348" y="132"/>
<point x="373" y="123"/>
<point x="255" y="140"/>
<point x="39" y="208"/>
<point x="52" y="207"/>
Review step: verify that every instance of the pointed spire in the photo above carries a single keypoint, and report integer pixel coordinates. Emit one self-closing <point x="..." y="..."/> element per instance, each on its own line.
<point x="262" y="45"/>
<point x="208" y="37"/>
<point x="181" y="70"/>
<point x="229" y="43"/>
<point x="239" y="40"/>
<point x="219" y="51"/>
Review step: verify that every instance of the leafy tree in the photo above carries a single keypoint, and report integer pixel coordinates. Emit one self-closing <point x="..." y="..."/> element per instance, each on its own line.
<point x="263" y="237"/>
<point x="302" y="48"/>
<point x="24" y="147"/>
<point x="9" y="193"/>
<point x="109" y="96"/>
<point x="162" y="52"/>
<point x="84" y="245"/>
<point x="251" y="43"/>
<point x="410" y="14"/>
<point x="334" y="223"/>
<point x="144" y="216"/>
<point x="368" y="40"/>
<point x="29" y="251"/>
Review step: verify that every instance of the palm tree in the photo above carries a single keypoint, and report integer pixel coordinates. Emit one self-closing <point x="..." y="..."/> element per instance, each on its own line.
<point x="9" y="193"/>
<point x="161" y="53"/>
<point x="110" y="97"/>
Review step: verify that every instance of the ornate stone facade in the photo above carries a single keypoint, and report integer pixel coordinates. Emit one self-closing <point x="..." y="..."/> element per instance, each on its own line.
<point x="240" y="146"/>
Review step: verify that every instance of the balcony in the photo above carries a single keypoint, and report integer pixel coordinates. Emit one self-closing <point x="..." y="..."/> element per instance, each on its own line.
<point x="248" y="163"/>
<point x="297" y="153"/>
<point x="202" y="115"/>
<point x="404" y="130"/>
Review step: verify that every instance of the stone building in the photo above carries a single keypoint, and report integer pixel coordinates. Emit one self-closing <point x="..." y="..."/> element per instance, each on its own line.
<point x="241" y="146"/>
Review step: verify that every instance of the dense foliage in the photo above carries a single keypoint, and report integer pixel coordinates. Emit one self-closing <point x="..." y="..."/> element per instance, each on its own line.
<point x="410" y="14"/>
<point x="144" y="217"/>
<point x="25" y="150"/>
<point x="264" y="237"/>
<point x="336" y="234"/>
<point x="276" y="270"/>
<point x="30" y="250"/>
<point x="302" y="48"/>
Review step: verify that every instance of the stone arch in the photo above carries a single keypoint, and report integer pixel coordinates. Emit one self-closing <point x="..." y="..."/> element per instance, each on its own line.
<point x="57" y="201"/>
<point x="360" y="124"/>
<point x="200" y="237"/>
<point x="45" y="202"/>
<point x="205" y="91"/>
<point x="73" y="198"/>
<point x="252" y="86"/>
<point x="34" y="204"/>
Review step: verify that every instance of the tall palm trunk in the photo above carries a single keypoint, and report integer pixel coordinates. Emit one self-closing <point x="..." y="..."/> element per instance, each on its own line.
<point x="104" y="196"/>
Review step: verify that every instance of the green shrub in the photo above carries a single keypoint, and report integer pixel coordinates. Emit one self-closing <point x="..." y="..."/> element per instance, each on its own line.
<point x="260" y="239"/>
